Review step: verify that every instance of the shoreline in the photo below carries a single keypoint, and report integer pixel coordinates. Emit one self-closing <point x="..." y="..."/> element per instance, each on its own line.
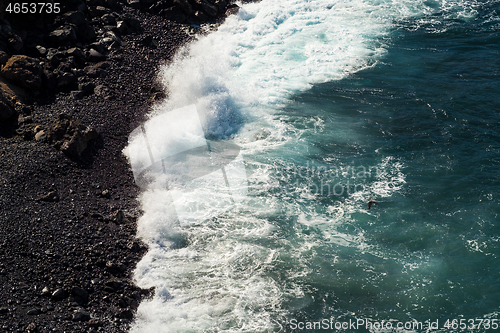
<point x="68" y="223"/>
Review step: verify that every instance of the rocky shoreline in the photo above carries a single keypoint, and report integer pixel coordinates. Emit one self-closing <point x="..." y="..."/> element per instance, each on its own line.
<point x="72" y="87"/>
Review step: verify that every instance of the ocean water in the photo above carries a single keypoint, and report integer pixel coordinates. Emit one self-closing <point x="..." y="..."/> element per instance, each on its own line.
<point x="333" y="102"/>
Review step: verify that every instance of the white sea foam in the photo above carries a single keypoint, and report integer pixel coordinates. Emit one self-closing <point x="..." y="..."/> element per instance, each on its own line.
<point x="217" y="274"/>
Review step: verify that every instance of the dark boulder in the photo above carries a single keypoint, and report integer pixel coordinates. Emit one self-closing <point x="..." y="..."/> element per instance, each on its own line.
<point x="207" y="8"/>
<point x="81" y="315"/>
<point x="75" y="17"/>
<point x="4" y="57"/>
<point x="65" y="79"/>
<point x="108" y="19"/>
<point x="232" y="9"/>
<point x="75" y="52"/>
<point x="58" y="295"/>
<point x="63" y="34"/>
<point x="15" y="41"/>
<point x="23" y="70"/>
<point x="6" y="110"/>
<point x="136" y="4"/>
<point x="98" y="11"/>
<point x="133" y="23"/>
<point x="86" y="32"/>
<point x="94" y="55"/>
<point x="69" y="135"/>
<point x="81" y="293"/>
<point x="174" y="14"/>
<point x="185" y="6"/>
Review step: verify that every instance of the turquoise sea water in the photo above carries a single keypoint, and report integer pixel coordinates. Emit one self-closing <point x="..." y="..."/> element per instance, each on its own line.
<point x="334" y="102"/>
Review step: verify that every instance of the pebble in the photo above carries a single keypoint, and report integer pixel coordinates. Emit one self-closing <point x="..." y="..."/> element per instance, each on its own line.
<point x="34" y="312"/>
<point x="81" y="315"/>
<point x="58" y="295"/>
<point x="80" y="292"/>
<point x="45" y="291"/>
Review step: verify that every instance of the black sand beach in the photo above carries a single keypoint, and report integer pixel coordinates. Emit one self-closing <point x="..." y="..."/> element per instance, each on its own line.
<point x="68" y="217"/>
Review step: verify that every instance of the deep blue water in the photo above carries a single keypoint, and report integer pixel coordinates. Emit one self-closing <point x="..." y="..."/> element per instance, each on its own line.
<point x="434" y="104"/>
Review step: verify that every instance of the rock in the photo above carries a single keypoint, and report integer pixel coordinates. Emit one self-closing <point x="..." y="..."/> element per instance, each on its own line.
<point x="232" y="9"/>
<point x="33" y="312"/>
<point x="98" y="11"/>
<point x="66" y="79"/>
<point x="108" y="19"/>
<point x="98" y="46"/>
<point x="80" y="292"/>
<point x="78" y="142"/>
<point x="94" y="322"/>
<point x="11" y="99"/>
<point x="52" y="196"/>
<point x="126" y="314"/>
<point x="15" y="41"/>
<point x="81" y="315"/>
<point x="201" y="16"/>
<point x="75" y="52"/>
<point x="24" y="120"/>
<point x="134" y="246"/>
<point x="94" y="71"/>
<point x="4" y="57"/>
<point x="122" y="303"/>
<point x="23" y="70"/>
<point x="54" y="56"/>
<point x="31" y="328"/>
<point x="149" y="41"/>
<point x="106" y="194"/>
<point x="115" y="267"/>
<point x="97" y="216"/>
<point x="41" y="135"/>
<point x="111" y="4"/>
<point x="75" y="17"/>
<point x="122" y="27"/>
<point x="58" y="295"/>
<point x="86" y="32"/>
<point x="207" y="8"/>
<point x="114" y="37"/>
<point x="174" y="14"/>
<point x="103" y="91"/>
<point x="114" y="284"/>
<point x="77" y="94"/>
<point x="87" y="87"/>
<point x="6" y="111"/>
<point x="221" y="5"/>
<point x="119" y="217"/>
<point x="42" y="50"/>
<point x="65" y="33"/>
<point x="132" y="22"/>
<point x="69" y="135"/>
<point x="147" y="3"/>
<point x="94" y="56"/>
<point x="136" y="4"/>
<point x="185" y="6"/>
<point x="45" y="291"/>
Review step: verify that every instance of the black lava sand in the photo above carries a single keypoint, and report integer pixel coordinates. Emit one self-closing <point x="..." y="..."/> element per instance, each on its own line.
<point x="66" y="264"/>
